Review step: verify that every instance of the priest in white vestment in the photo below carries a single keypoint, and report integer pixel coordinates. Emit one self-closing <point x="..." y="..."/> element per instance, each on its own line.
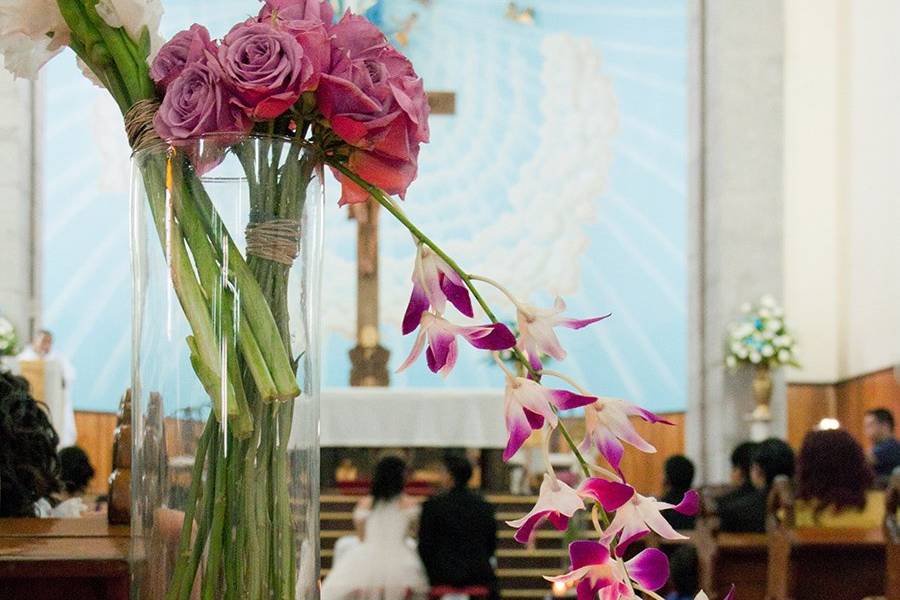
<point x="59" y="375"/>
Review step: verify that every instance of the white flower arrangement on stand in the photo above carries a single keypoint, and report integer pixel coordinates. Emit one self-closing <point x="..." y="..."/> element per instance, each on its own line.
<point x="9" y="341"/>
<point x="761" y="338"/>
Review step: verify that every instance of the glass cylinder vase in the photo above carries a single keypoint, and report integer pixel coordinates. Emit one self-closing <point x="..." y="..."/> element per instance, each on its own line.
<point x="226" y="259"/>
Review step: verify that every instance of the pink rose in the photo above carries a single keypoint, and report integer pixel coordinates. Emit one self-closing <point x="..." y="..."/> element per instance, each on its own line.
<point x="197" y="103"/>
<point x="267" y="68"/>
<point x="376" y="103"/>
<point x="186" y="47"/>
<point x="298" y="10"/>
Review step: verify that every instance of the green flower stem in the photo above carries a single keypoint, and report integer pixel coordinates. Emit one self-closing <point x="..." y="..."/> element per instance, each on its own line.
<point x="219" y="297"/>
<point x="185" y="574"/>
<point x="253" y="303"/>
<point x="210" y="586"/>
<point x="384" y="200"/>
<point x="132" y="73"/>
<point x="184" y="553"/>
<point x="284" y="530"/>
<point x="181" y="272"/>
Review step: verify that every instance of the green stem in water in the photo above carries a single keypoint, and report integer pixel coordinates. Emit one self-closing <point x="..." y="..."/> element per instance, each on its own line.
<point x="210" y="585"/>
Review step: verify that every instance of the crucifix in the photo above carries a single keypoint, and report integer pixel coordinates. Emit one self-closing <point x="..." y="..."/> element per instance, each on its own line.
<point x="369" y="358"/>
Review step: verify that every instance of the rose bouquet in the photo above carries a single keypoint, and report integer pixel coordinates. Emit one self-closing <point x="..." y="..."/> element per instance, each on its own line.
<point x="283" y="94"/>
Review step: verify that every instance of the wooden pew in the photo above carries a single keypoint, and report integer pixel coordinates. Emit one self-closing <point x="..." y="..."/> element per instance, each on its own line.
<point x="892" y="538"/>
<point x="740" y="559"/>
<point x="50" y="559"/>
<point x="837" y="564"/>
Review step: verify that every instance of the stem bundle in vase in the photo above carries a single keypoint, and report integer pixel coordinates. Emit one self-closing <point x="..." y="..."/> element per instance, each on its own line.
<point x="281" y="95"/>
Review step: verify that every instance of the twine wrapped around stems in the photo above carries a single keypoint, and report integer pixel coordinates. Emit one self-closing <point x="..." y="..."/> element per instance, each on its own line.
<point x="277" y="240"/>
<point x="139" y="125"/>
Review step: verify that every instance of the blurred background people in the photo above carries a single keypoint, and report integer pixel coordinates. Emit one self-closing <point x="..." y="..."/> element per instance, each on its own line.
<point x="771" y="458"/>
<point x="29" y="465"/>
<point x="878" y="426"/>
<point x="458" y="532"/>
<point x="383" y="565"/>
<point x="679" y="477"/>
<point x="833" y="483"/>
<point x="58" y="398"/>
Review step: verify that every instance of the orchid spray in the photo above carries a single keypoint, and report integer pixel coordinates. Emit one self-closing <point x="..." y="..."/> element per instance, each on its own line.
<point x="335" y="94"/>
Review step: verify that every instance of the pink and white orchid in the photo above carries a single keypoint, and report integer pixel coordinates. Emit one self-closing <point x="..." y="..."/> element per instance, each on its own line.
<point x="607" y="425"/>
<point x="528" y="405"/>
<point x="442" y="349"/>
<point x="536" y="334"/>
<point x="434" y="283"/>
<point x="642" y="514"/>
<point x="595" y="571"/>
<point x="557" y="503"/>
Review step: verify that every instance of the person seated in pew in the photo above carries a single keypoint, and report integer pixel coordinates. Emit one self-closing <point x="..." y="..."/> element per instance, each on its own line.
<point x="772" y="457"/>
<point x="878" y="425"/>
<point x="75" y="473"/>
<point x="833" y="484"/>
<point x="29" y="465"/>
<point x="678" y="479"/>
<point x="741" y="461"/>
<point x="684" y="573"/>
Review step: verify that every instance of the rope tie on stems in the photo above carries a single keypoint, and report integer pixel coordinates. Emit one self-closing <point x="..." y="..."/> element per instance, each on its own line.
<point x="139" y="125"/>
<point x="277" y="240"/>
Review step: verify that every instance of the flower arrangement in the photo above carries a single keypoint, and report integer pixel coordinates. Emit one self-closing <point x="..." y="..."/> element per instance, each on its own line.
<point x="334" y="93"/>
<point x="761" y="337"/>
<point x="9" y="341"/>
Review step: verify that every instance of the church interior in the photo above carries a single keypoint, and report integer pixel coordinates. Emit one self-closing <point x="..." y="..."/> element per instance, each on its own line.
<point x="711" y="186"/>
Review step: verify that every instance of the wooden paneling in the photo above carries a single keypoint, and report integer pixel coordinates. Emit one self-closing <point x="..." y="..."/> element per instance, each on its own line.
<point x="95" y="437"/>
<point x="809" y="403"/>
<point x="645" y="471"/>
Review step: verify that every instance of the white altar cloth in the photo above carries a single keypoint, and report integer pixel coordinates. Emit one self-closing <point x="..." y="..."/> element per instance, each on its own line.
<point x="389" y="417"/>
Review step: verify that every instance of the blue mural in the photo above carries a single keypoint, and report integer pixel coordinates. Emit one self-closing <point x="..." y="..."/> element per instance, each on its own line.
<point x="562" y="171"/>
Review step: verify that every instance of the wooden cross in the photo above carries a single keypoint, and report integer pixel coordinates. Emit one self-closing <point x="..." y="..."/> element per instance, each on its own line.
<point x="369" y="358"/>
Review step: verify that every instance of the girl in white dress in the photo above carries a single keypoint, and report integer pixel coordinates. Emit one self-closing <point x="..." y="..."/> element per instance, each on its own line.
<point x="383" y="565"/>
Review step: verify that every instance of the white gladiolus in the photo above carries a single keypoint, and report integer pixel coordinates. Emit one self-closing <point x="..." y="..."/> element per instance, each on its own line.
<point x="132" y="15"/>
<point x="742" y="353"/>
<point x="765" y="313"/>
<point x="784" y="356"/>
<point x="755" y="357"/>
<point x="773" y="324"/>
<point x="31" y="33"/>
<point x="730" y="362"/>
<point x="736" y="347"/>
<point x="767" y="301"/>
<point x="768" y="351"/>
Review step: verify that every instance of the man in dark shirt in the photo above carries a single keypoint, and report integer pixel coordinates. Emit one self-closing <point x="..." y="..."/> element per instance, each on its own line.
<point x="746" y="511"/>
<point x="458" y="533"/>
<point x="878" y="425"/>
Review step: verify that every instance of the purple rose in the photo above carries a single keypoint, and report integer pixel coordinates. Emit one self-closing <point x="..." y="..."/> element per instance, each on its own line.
<point x="197" y="103"/>
<point x="266" y="67"/>
<point x="376" y="103"/>
<point x="185" y="48"/>
<point x="298" y="10"/>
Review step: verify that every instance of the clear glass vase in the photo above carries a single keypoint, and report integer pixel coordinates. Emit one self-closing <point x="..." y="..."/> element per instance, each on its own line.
<point x="226" y="251"/>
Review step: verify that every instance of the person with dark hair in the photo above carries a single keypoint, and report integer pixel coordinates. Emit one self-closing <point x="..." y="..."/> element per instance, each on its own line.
<point x="382" y="564"/>
<point x="771" y="458"/>
<point x="75" y="469"/>
<point x="878" y="425"/>
<point x="458" y="533"/>
<point x="684" y="573"/>
<point x="833" y="479"/>
<point x="29" y="467"/>
<point x="744" y="491"/>
<point x="679" y="477"/>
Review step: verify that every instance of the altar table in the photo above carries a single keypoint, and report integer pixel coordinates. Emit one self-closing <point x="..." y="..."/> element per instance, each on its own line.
<point x="377" y="417"/>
